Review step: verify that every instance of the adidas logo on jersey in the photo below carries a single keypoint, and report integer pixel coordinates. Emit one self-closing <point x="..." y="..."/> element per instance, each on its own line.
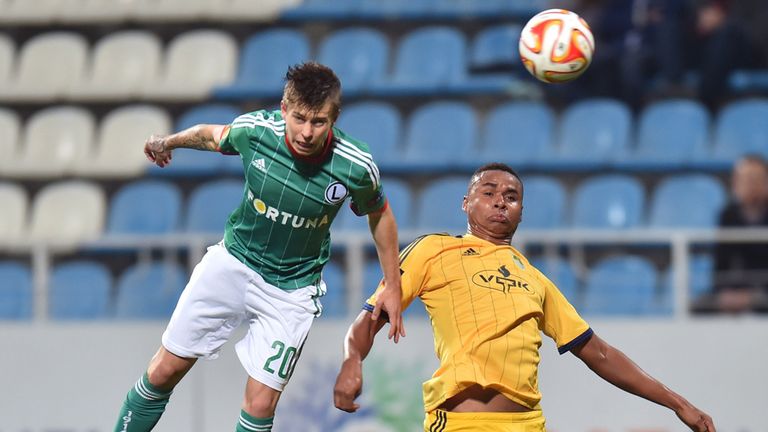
<point x="260" y="165"/>
<point x="469" y="252"/>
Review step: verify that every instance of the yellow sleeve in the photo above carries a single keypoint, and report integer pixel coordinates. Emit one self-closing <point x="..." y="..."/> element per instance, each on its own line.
<point x="561" y="321"/>
<point x="413" y="268"/>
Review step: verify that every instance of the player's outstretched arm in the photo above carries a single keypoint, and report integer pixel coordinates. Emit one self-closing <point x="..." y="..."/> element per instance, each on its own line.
<point x="384" y="231"/>
<point x="615" y="367"/>
<point x="357" y="345"/>
<point x="158" y="149"/>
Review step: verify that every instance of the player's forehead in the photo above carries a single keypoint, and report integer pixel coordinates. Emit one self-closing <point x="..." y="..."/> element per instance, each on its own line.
<point x="307" y="112"/>
<point x="495" y="179"/>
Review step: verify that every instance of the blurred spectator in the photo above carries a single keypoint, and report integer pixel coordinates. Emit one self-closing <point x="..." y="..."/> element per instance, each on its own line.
<point x="741" y="278"/>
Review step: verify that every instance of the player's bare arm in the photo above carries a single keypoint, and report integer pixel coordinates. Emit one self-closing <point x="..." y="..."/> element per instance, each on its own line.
<point x="615" y="367"/>
<point x="357" y="345"/>
<point x="384" y="230"/>
<point x="158" y="149"/>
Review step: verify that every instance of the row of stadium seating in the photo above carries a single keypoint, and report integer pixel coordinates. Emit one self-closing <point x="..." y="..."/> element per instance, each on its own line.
<point x="441" y="136"/>
<point x="134" y="64"/>
<point x="77" y="210"/>
<point x="150" y="290"/>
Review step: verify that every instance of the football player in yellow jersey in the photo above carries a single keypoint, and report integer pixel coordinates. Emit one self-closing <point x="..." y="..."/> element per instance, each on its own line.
<point x="488" y="307"/>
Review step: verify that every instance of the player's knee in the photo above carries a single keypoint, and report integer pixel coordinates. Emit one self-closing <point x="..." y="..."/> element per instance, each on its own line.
<point x="261" y="407"/>
<point x="164" y="374"/>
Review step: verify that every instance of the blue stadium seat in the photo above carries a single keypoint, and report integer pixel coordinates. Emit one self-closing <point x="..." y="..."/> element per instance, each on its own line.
<point x="740" y="128"/>
<point x="400" y="200"/>
<point x="379" y="125"/>
<point x="595" y="132"/>
<point x="264" y="59"/>
<point x="194" y="162"/>
<point x="609" y="201"/>
<point x="439" y="207"/>
<point x="441" y="134"/>
<point x="562" y="274"/>
<point x="687" y="201"/>
<point x="519" y="133"/>
<point x="335" y="300"/>
<point x="701" y="274"/>
<point x="149" y="291"/>
<point x="622" y="285"/>
<point x="145" y="207"/>
<point x="427" y="60"/>
<point x="210" y="205"/>
<point x="496" y="46"/>
<point x="544" y="201"/>
<point x="358" y="55"/>
<point x="79" y="291"/>
<point x="15" y="291"/>
<point x="673" y="132"/>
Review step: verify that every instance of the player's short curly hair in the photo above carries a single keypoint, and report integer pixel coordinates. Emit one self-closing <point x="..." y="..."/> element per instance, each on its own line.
<point x="311" y="85"/>
<point x="494" y="166"/>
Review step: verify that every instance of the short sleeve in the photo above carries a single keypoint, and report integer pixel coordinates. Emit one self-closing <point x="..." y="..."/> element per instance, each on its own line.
<point x="234" y="139"/>
<point x="368" y="194"/>
<point x="561" y="322"/>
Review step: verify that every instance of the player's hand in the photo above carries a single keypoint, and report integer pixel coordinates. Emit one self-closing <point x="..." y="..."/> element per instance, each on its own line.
<point x="156" y="150"/>
<point x="389" y="300"/>
<point x="696" y="419"/>
<point x="349" y="384"/>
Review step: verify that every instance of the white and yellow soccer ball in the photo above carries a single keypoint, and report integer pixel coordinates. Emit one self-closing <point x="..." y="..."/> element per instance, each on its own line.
<point x="556" y="45"/>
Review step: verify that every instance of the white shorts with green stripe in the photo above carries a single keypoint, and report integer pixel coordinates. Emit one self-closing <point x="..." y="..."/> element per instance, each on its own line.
<point x="221" y="294"/>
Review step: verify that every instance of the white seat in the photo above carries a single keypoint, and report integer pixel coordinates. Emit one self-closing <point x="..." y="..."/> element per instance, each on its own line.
<point x="243" y="10"/>
<point x="7" y="57"/>
<point x="174" y="10"/>
<point x="195" y="63"/>
<point x="119" y="148"/>
<point x="54" y="140"/>
<point x="95" y="11"/>
<point x="122" y="64"/>
<point x="13" y="218"/>
<point x="10" y="126"/>
<point x="66" y="213"/>
<point x="48" y="65"/>
<point x="28" y="12"/>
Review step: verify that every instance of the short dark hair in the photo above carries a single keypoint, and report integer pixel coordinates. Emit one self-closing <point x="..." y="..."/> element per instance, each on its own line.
<point x="311" y="85"/>
<point x="494" y="166"/>
<point x="754" y="158"/>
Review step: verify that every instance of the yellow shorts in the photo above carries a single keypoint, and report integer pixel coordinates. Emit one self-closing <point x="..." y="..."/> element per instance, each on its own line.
<point x="444" y="421"/>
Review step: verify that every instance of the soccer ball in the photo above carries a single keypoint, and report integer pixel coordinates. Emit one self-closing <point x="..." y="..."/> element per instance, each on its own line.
<point x="556" y="45"/>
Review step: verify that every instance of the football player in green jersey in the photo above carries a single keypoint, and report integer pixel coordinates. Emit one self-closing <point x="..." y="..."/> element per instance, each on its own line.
<point x="299" y="170"/>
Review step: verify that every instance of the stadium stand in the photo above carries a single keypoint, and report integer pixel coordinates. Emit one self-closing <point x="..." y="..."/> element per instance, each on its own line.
<point x="210" y="204"/>
<point x="687" y="201"/>
<point x="67" y="212"/>
<point x="335" y="300"/>
<point x="544" y="201"/>
<point x="594" y="132"/>
<point x="359" y="56"/>
<point x="145" y="207"/>
<point x="80" y="290"/>
<point x="611" y="201"/>
<point x="530" y="124"/>
<point x="10" y="130"/>
<point x="622" y="285"/>
<point x="439" y="206"/>
<point x="440" y="135"/>
<point x="7" y="55"/>
<point x="13" y="218"/>
<point x="740" y="128"/>
<point x="15" y="291"/>
<point x="379" y="125"/>
<point x="148" y="291"/>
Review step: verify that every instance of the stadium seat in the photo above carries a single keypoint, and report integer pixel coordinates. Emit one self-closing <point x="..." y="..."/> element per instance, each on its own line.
<point x="495" y="47"/>
<point x="149" y="291"/>
<point x="24" y="12"/>
<point x="563" y="275"/>
<point x="10" y="127"/>
<point x="335" y="299"/>
<point x="520" y="133"/>
<point x="184" y="76"/>
<point x="119" y="145"/>
<point x="439" y="206"/>
<point x="7" y="57"/>
<point x="172" y="10"/>
<point x="13" y="218"/>
<point x="210" y="205"/>
<point x="608" y="201"/>
<point x="622" y="285"/>
<point x="188" y="162"/>
<point x="79" y="290"/>
<point x="672" y="132"/>
<point x="687" y="201"/>
<point x="54" y="141"/>
<point x="701" y="278"/>
<point x="544" y="203"/>
<point x="145" y="207"/>
<point x="427" y="60"/>
<point x="94" y="11"/>
<point x="379" y="125"/>
<point x="15" y="291"/>
<point x="63" y="52"/>
<point x="122" y="63"/>
<point x="400" y="201"/>
<point x="257" y="78"/>
<point x="243" y="10"/>
<point x="440" y="134"/>
<point x="67" y="212"/>
<point x="358" y="55"/>
<point x="740" y="128"/>
<point x="595" y="132"/>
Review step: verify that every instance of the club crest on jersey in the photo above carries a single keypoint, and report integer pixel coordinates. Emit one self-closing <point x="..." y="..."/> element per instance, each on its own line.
<point x="518" y="262"/>
<point x="335" y="193"/>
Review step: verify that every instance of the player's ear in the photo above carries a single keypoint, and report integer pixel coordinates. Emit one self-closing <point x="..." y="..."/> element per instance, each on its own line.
<point x="464" y="204"/>
<point x="283" y="108"/>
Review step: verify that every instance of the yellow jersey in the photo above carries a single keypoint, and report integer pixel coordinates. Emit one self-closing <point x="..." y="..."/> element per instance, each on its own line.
<point x="488" y="306"/>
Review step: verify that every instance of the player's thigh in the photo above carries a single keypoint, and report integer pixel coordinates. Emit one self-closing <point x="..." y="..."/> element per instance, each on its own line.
<point x="211" y="306"/>
<point x="279" y="325"/>
<point x="445" y="421"/>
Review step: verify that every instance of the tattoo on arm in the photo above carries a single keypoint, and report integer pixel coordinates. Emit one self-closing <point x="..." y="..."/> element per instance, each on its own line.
<point x="196" y="138"/>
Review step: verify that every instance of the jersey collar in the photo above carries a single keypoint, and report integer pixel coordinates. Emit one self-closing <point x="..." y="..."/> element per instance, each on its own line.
<point x="313" y="159"/>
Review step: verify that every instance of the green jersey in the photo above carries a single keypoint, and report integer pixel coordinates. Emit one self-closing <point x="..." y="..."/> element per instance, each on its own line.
<point x="281" y="228"/>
